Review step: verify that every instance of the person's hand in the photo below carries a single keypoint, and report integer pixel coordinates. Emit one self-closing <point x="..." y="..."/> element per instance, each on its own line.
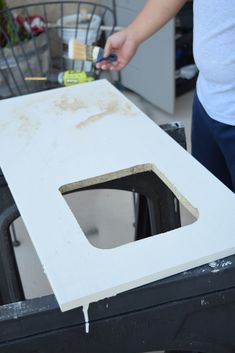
<point x="123" y="46"/>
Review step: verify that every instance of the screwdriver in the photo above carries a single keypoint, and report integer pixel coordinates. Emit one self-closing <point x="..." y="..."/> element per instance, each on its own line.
<point x="66" y="78"/>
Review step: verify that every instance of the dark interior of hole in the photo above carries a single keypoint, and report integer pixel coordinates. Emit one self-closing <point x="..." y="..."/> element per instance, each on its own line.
<point x="157" y="209"/>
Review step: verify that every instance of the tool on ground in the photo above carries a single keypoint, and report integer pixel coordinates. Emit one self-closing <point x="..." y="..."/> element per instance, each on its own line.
<point x="66" y="78"/>
<point x="80" y="51"/>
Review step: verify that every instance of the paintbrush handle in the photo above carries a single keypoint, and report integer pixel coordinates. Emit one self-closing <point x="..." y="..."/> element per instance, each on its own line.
<point x="110" y="58"/>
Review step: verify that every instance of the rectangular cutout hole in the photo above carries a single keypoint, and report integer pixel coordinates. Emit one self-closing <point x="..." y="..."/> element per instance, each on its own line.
<point x="127" y="209"/>
<point x="109" y="218"/>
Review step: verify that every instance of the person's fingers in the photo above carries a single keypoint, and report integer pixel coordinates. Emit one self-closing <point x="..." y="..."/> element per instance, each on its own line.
<point x="98" y="65"/>
<point x="108" y="65"/>
<point x="117" y="66"/>
<point x="108" y="47"/>
<point x="114" y="43"/>
<point x="124" y="49"/>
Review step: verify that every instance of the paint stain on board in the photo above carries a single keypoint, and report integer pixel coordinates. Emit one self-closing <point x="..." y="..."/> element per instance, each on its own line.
<point x="71" y="105"/>
<point x="27" y="127"/>
<point x="108" y="109"/>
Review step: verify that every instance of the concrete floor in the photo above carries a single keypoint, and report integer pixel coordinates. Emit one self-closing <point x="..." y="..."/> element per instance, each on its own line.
<point x="107" y="217"/>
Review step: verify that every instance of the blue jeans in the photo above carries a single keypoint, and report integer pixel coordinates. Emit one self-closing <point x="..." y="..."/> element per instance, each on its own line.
<point x="213" y="144"/>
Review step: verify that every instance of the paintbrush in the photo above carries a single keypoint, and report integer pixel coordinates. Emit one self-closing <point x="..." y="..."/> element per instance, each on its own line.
<point x="80" y="51"/>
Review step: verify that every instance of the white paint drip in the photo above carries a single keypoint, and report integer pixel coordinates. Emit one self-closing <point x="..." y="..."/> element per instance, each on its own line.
<point x="86" y="317"/>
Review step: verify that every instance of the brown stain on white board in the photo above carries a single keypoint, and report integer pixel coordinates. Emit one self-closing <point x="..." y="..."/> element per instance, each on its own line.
<point x="27" y="127"/>
<point x="67" y="104"/>
<point x="73" y="105"/>
<point x="108" y="109"/>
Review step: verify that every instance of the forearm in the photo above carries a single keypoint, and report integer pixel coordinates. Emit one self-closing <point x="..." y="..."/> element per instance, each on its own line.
<point x="155" y="14"/>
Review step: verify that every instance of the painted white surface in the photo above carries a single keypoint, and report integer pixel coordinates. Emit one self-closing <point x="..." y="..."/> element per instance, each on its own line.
<point x="69" y="137"/>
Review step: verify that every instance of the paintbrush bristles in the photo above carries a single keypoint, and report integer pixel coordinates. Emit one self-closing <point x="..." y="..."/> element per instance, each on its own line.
<point x="77" y="50"/>
<point x="89" y="52"/>
<point x="80" y="51"/>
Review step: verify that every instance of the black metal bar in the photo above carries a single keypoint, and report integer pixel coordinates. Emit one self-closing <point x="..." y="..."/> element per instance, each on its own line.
<point x="35" y="43"/>
<point x="10" y="283"/>
<point x="76" y="28"/>
<point x="4" y="75"/>
<point x="8" y="66"/>
<point x="62" y="35"/>
<point x="21" y="7"/>
<point x="19" y="42"/>
<point x="45" y="14"/>
<point x="142" y="227"/>
<point x="5" y="194"/>
<point x="11" y="289"/>
<point x="114" y="12"/>
<point x="89" y="23"/>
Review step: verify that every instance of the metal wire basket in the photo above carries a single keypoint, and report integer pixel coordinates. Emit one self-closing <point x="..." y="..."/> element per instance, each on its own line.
<point x="34" y="39"/>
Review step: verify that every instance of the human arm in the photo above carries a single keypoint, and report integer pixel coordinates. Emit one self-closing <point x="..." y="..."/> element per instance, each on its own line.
<point x="154" y="15"/>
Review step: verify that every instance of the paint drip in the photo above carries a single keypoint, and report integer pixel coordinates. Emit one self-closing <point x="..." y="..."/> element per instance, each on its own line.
<point x="86" y="317"/>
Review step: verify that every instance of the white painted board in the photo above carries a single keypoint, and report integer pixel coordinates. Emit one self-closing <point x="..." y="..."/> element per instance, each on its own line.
<point x="58" y="140"/>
